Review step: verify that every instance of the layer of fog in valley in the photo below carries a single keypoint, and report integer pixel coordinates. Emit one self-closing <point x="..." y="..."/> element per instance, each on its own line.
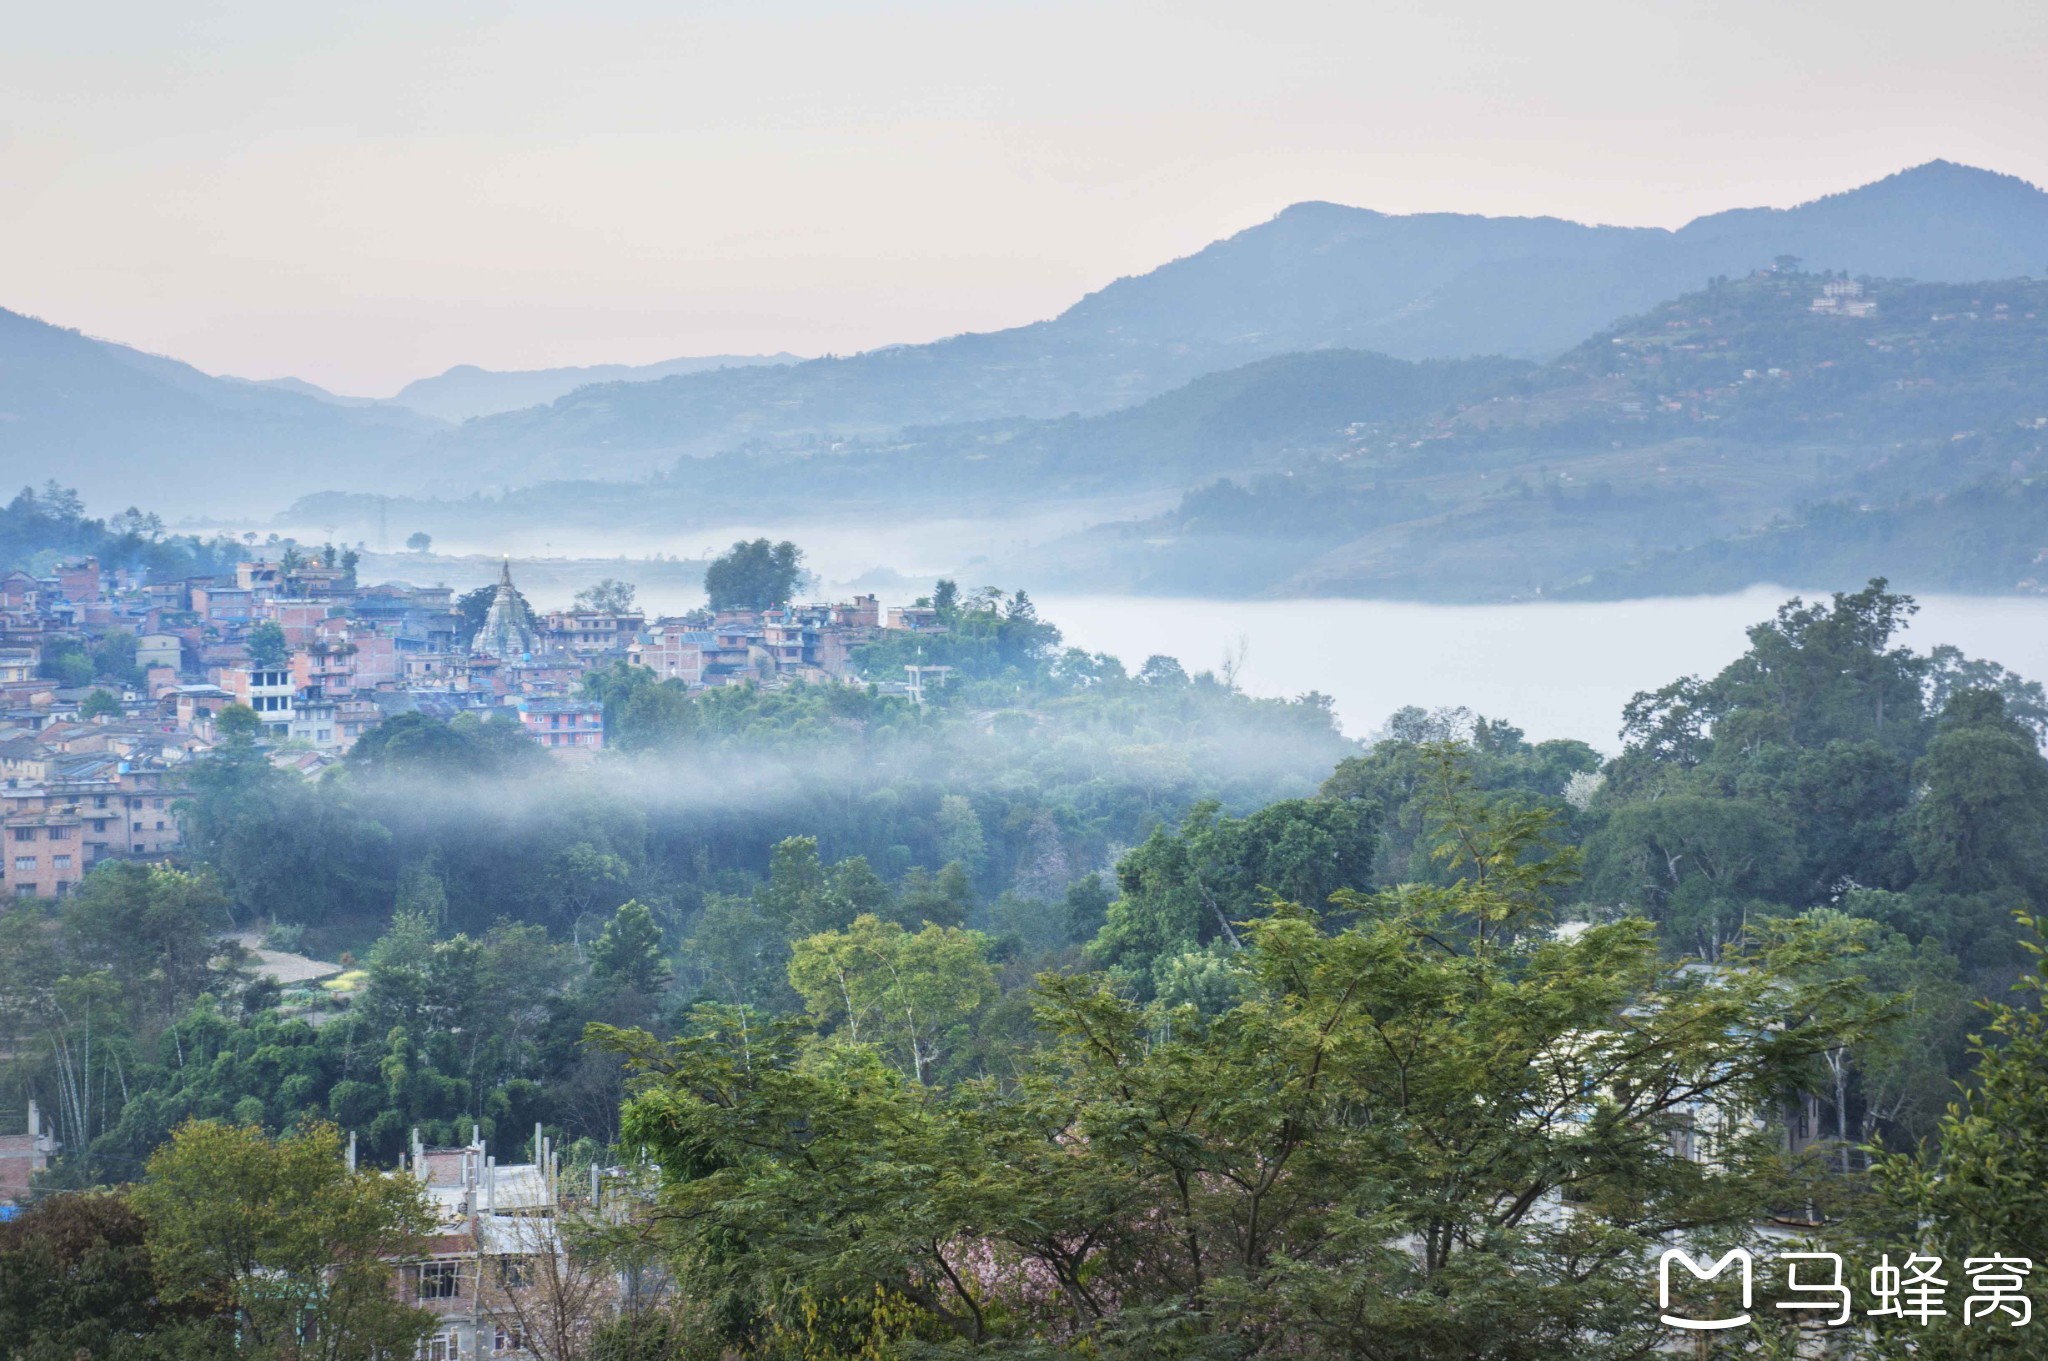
<point x="1555" y="670"/>
<point x="844" y="554"/>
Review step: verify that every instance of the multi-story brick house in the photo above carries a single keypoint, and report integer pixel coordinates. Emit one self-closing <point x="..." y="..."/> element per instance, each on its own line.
<point x="79" y="581"/>
<point x="300" y="619"/>
<point x="267" y="690"/>
<point x="589" y="633"/>
<point x="223" y="604"/>
<point x="152" y="824"/>
<point x="24" y="760"/>
<point x="23" y="1155"/>
<point x="42" y="852"/>
<point x="562" y="724"/>
<point x="673" y="651"/>
<point x="353" y="717"/>
<point x="497" y="1270"/>
<point x="914" y="619"/>
<point x="157" y="648"/>
<point x="258" y="576"/>
<point x="21" y="592"/>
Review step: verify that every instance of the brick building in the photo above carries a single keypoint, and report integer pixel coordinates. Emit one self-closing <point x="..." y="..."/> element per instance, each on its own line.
<point x="23" y="1155"/>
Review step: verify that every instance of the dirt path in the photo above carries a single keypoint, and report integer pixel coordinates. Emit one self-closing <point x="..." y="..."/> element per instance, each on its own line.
<point x="284" y="967"/>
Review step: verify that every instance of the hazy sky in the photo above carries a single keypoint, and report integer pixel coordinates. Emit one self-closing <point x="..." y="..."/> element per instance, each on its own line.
<point x="365" y="192"/>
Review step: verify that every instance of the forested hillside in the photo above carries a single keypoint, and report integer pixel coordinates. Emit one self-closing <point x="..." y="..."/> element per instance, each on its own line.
<point x="1700" y="422"/>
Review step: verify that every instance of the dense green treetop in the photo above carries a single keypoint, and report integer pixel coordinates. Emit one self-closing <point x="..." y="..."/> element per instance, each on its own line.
<point x="37" y="528"/>
<point x="297" y="1245"/>
<point x="267" y="646"/>
<point x="754" y="575"/>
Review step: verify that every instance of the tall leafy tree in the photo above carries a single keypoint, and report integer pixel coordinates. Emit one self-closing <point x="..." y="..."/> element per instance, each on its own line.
<point x="154" y="928"/>
<point x="1181" y="890"/>
<point x="608" y="596"/>
<point x="267" y="646"/>
<point x="1979" y="1187"/>
<point x="1981" y="821"/>
<point x="628" y="953"/>
<point x="913" y="994"/>
<point x="76" y="1281"/>
<point x="300" y="1248"/>
<point x="754" y="575"/>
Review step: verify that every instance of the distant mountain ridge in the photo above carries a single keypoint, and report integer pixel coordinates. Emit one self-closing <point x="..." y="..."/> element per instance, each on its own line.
<point x="1318" y="275"/>
<point x="466" y="391"/>
<point x="1244" y="420"/>
<point x="1783" y="420"/>
<point x="305" y="389"/>
<point x="130" y="428"/>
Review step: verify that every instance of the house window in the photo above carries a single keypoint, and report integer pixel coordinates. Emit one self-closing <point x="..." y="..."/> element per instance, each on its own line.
<point x="24" y="864"/>
<point x="440" y="1280"/>
<point x="62" y="862"/>
<point x="511" y="1338"/>
<point x="24" y="834"/>
<point x="441" y="1347"/>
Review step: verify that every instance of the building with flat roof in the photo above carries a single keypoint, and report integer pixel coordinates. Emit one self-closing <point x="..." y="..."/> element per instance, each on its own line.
<point x="24" y="1155"/>
<point x="562" y="724"/>
<point x="496" y="1263"/>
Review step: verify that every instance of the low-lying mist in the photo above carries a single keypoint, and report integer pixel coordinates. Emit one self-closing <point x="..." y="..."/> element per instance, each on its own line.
<point x="1025" y="801"/>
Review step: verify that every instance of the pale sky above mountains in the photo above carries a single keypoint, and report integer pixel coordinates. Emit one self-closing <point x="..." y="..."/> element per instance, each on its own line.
<point x="362" y="194"/>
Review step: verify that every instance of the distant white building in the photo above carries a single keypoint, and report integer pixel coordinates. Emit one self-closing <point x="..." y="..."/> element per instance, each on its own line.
<point x="1843" y="297"/>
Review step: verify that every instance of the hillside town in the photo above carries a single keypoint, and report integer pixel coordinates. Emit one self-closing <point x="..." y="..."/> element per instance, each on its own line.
<point x="90" y="771"/>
